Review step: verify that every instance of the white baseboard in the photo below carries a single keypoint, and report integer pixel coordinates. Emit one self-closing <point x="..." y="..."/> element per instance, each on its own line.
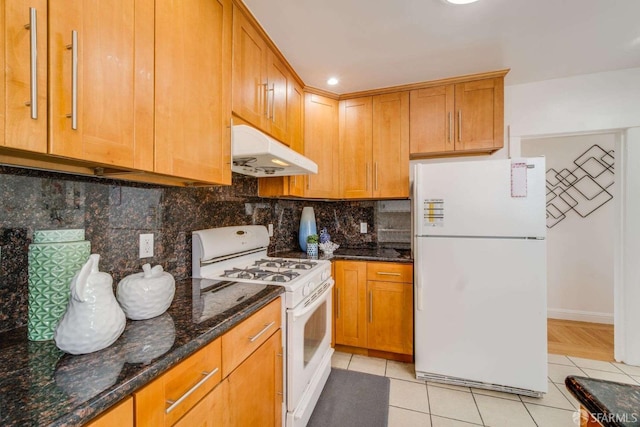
<point x="580" y="316"/>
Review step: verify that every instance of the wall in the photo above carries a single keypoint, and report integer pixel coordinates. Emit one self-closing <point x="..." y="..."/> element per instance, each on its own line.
<point x="587" y="104"/>
<point x="580" y="251"/>
<point x="114" y="213"/>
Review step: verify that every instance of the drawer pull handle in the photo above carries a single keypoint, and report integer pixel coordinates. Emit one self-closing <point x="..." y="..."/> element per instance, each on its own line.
<point x="384" y="273"/>
<point x="256" y="336"/>
<point x="174" y="403"/>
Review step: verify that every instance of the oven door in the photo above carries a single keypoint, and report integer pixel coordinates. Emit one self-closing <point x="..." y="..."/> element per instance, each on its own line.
<point x="308" y="340"/>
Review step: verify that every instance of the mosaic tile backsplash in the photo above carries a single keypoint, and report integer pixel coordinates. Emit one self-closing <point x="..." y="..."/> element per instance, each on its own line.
<point x="114" y="213"/>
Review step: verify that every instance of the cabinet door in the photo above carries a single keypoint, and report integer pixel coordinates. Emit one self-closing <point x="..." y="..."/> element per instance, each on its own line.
<point x="390" y="312"/>
<point x="249" y="73"/>
<point x="432" y="120"/>
<point x="105" y="113"/>
<point x="391" y="145"/>
<point x="209" y="412"/>
<point x="120" y="415"/>
<point x="321" y="145"/>
<point x="276" y="98"/>
<point x="351" y="303"/>
<point x="356" y="157"/>
<point x="479" y="114"/>
<point x="193" y="71"/>
<point x="25" y="83"/>
<point x="255" y="387"/>
<point x="295" y="128"/>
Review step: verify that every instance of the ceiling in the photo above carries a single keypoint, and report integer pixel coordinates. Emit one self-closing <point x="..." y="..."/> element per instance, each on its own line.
<point x="371" y="44"/>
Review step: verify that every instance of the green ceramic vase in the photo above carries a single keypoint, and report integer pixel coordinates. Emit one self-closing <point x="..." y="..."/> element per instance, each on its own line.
<point x="55" y="256"/>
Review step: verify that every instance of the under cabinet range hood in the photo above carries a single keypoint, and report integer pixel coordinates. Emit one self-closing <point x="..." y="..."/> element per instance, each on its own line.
<point x="257" y="154"/>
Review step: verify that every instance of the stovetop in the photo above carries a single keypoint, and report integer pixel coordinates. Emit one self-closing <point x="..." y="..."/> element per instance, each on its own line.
<point x="267" y="270"/>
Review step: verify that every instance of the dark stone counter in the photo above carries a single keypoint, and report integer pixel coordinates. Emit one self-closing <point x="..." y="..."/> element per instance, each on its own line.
<point x="42" y="386"/>
<point x="362" y="254"/>
<point x="610" y="403"/>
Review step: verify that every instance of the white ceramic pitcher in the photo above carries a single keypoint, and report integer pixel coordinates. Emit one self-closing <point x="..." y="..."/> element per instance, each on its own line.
<point x="93" y="319"/>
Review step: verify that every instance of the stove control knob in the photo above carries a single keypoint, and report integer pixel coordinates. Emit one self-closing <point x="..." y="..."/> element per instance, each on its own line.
<point x="307" y="289"/>
<point x="325" y="275"/>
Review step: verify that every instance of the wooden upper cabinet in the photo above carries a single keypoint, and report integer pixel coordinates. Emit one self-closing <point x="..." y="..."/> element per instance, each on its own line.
<point x="276" y="101"/>
<point x="321" y="146"/>
<point x="451" y="119"/>
<point x="374" y="146"/>
<point x="192" y="94"/>
<point x="391" y="145"/>
<point x="432" y="121"/>
<point x="480" y="114"/>
<point x="23" y="91"/>
<point x="260" y="80"/>
<point x="249" y="72"/>
<point x="101" y="106"/>
<point x="356" y="156"/>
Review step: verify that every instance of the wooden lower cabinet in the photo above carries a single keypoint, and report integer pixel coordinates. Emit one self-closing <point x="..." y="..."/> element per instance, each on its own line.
<point x="351" y="305"/>
<point x="120" y="415"/>
<point x="255" y="387"/>
<point x="374" y="306"/>
<point x="390" y="326"/>
<point x="236" y="380"/>
<point x="209" y="412"/>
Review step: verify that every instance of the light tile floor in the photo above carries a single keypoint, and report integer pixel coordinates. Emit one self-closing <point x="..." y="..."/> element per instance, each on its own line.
<point x="418" y="403"/>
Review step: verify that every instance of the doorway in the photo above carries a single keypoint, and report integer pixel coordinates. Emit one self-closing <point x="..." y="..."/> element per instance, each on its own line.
<point x="580" y="177"/>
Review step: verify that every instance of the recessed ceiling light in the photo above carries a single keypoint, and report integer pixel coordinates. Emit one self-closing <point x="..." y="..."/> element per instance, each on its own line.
<point x="332" y="81"/>
<point x="460" y="1"/>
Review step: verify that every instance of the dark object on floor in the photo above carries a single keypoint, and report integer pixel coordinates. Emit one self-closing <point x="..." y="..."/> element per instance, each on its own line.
<point x="352" y="399"/>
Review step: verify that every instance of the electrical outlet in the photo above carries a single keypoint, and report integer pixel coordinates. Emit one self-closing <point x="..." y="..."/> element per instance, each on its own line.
<point x="270" y="229"/>
<point x="146" y="245"/>
<point x="363" y="227"/>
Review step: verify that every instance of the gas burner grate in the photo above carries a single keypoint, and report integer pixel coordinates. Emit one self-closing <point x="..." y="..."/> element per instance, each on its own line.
<point x="280" y="276"/>
<point x="276" y="262"/>
<point x="299" y="264"/>
<point x="246" y="273"/>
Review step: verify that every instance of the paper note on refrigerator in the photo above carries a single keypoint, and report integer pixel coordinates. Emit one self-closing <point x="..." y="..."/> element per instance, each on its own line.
<point x="518" y="179"/>
<point x="433" y="210"/>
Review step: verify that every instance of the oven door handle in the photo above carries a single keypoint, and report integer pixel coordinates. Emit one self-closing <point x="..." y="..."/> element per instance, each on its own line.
<point x="319" y="299"/>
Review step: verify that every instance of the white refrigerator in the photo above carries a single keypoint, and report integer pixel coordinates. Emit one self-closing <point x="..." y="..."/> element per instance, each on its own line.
<point x="480" y="274"/>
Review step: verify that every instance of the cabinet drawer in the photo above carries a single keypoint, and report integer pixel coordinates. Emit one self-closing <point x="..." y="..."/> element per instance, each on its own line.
<point x="120" y="415"/>
<point x="390" y="272"/>
<point x="165" y="400"/>
<point x="241" y="341"/>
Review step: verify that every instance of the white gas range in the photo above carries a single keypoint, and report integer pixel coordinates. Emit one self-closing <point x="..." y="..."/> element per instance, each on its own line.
<point x="239" y="254"/>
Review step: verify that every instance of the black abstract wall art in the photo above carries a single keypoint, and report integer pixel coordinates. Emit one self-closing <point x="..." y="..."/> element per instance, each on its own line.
<point x="581" y="188"/>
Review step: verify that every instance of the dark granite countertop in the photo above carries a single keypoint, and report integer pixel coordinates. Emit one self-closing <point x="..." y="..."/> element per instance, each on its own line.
<point x="363" y="254"/>
<point x="42" y="386"/>
<point x="610" y="403"/>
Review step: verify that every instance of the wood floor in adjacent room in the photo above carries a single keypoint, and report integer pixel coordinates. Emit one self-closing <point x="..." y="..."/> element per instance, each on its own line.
<point x="580" y="339"/>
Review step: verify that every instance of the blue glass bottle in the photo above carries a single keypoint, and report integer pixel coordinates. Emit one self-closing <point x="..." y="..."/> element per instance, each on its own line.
<point x="307" y="226"/>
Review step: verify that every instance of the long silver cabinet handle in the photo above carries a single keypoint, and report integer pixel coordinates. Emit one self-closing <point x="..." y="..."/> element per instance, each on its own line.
<point x="265" y="94"/>
<point x="338" y="301"/>
<point x="256" y="336"/>
<point x="450" y="127"/>
<point x="174" y="403"/>
<point x="370" y="306"/>
<point x="384" y="273"/>
<point x="459" y="125"/>
<point x="74" y="79"/>
<point x="273" y="102"/>
<point x="32" y="26"/>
